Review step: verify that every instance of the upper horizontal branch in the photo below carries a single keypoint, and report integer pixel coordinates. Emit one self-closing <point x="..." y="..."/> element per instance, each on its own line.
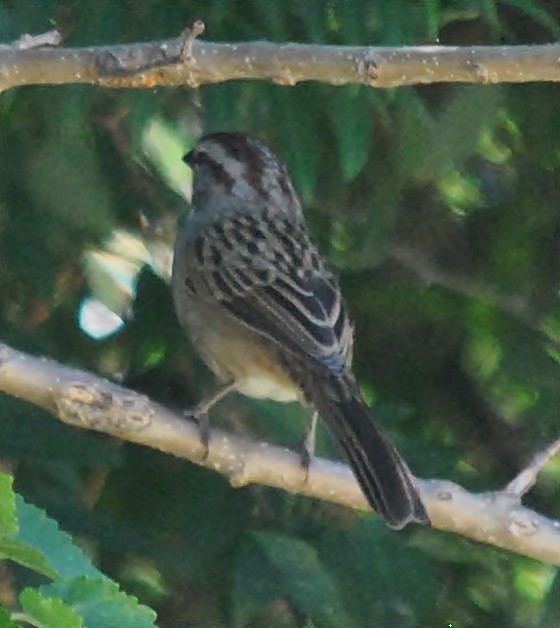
<point x="164" y="63"/>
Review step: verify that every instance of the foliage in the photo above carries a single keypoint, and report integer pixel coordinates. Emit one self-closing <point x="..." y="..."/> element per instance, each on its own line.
<point x="79" y="594"/>
<point x="462" y="369"/>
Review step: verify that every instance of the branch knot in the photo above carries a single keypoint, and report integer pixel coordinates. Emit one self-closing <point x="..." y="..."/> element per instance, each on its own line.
<point x="90" y="406"/>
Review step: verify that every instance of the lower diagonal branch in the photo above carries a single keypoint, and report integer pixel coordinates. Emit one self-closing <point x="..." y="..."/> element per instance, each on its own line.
<point x="87" y="401"/>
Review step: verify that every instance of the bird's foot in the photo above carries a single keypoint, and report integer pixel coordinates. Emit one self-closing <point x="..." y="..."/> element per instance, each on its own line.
<point x="307" y="454"/>
<point x="202" y="418"/>
<point x="307" y="447"/>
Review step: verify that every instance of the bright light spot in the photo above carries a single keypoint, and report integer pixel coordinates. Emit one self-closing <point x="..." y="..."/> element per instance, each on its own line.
<point x="97" y="320"/>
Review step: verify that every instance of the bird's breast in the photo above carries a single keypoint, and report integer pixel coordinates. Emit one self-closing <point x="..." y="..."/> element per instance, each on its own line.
<point x="266" y="385"/>
<point x="236" y="353"/>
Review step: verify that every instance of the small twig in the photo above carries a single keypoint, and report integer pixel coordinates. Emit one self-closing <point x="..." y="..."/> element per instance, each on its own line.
<point x="514" y="305"/>
<point x="525" y="480"/>
<point x="28" y="42"/>
<point x="188" y="36"/>
<point x="430" y="273"/>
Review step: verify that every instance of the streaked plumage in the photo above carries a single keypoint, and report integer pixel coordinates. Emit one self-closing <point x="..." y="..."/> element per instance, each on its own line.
<point x="265" y="310"/>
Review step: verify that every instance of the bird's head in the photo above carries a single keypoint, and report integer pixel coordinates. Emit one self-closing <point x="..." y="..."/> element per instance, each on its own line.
<point x="234" y="172"/>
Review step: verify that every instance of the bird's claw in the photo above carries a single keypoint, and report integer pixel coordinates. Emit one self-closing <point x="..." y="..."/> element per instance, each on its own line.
<point x="202" y="419"/>
<point x="306" y="456"/>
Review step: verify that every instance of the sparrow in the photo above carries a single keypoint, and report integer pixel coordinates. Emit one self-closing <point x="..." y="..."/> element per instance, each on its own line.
<point x="265" y="311"/>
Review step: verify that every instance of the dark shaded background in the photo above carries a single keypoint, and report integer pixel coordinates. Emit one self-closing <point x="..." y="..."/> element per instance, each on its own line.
<point x="457" y="348"/>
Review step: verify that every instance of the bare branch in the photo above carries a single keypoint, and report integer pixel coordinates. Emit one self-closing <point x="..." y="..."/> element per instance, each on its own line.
<point x="514" y="305"/>
<point x="189" y="62"/>
<point x="430" y="273"/>
<point x="87" y="401"/>
<point x="27" y="42"/>
<point x="525" y="480"/>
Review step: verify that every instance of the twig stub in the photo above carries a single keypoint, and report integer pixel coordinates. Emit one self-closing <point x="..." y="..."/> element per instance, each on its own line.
<point x="50" y="38"/>
<point x="188" y="36"/>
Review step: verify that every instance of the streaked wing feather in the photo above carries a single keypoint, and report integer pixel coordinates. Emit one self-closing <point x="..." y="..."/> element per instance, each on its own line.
<point x="276" y="283"/>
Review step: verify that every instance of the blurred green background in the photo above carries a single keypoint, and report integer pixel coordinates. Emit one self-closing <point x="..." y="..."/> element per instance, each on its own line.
<point x="438" y="206"/>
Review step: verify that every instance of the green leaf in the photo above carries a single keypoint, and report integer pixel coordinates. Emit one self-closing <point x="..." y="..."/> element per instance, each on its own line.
<point x="51" y="612"/>
<point x="389" y="13"/>
<point x="273" y="567"/>
<point x="24" y="554"/>
<point x="378" y="573"/>
<point x="352" y="118"/>
<point x="537" y="13"/>
<point x="489" y="11"/>
<point x="101" y="604"/>
<point x="275" y="15"/>
<point x="316" y="18"/>
<point x="430" y="146"/>
<point x="43" y="533"/>
<point x="457" y="133"/>
<point x="551" y="607"/>
<point x="298" y="129"/>
<point x="434" y="15"/>
<point x="5" y="618"/>
<point x="415" y="126"/>
<point x="8" y="521"/>
<point x="27" y="435"/>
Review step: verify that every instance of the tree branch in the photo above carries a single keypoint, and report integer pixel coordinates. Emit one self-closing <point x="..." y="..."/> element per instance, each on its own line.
<point x="184" y="61"/>
<point x="84" y="400"/>
<point x="516" y="306"/>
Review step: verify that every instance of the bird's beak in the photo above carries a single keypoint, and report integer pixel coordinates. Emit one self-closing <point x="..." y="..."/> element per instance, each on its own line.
<point x="189" y="159"/>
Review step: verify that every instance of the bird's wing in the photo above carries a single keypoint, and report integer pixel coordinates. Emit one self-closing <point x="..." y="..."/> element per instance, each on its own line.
<point x="269" y="275"/>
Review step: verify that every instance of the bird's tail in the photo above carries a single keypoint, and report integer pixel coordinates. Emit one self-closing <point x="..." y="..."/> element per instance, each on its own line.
<point x="382" y="474"/>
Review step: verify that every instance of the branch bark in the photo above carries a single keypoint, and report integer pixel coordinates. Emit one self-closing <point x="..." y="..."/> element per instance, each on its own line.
<point x="87" y="401"/>
<point x="184" y="61"/>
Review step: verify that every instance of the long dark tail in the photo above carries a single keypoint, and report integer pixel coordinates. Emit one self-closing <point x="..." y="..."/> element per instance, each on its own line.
<point x="382" y="474"/>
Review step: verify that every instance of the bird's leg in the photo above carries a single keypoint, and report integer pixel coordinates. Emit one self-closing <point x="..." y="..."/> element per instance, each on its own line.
<point x="307" y="452"/>
<point x="200" y="414"/>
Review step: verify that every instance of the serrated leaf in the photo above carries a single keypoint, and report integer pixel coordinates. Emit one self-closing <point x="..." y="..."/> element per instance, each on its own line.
<point x="101" y="603"/>
<point x="273" y="567"/>
<point x="8" y="521"/>
<point x="24" y="554"/>
<point x="50" y="612"/>
<point x="43" y="533"/>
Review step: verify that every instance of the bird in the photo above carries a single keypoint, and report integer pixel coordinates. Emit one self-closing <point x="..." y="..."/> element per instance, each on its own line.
<point x="265" y="311"/>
